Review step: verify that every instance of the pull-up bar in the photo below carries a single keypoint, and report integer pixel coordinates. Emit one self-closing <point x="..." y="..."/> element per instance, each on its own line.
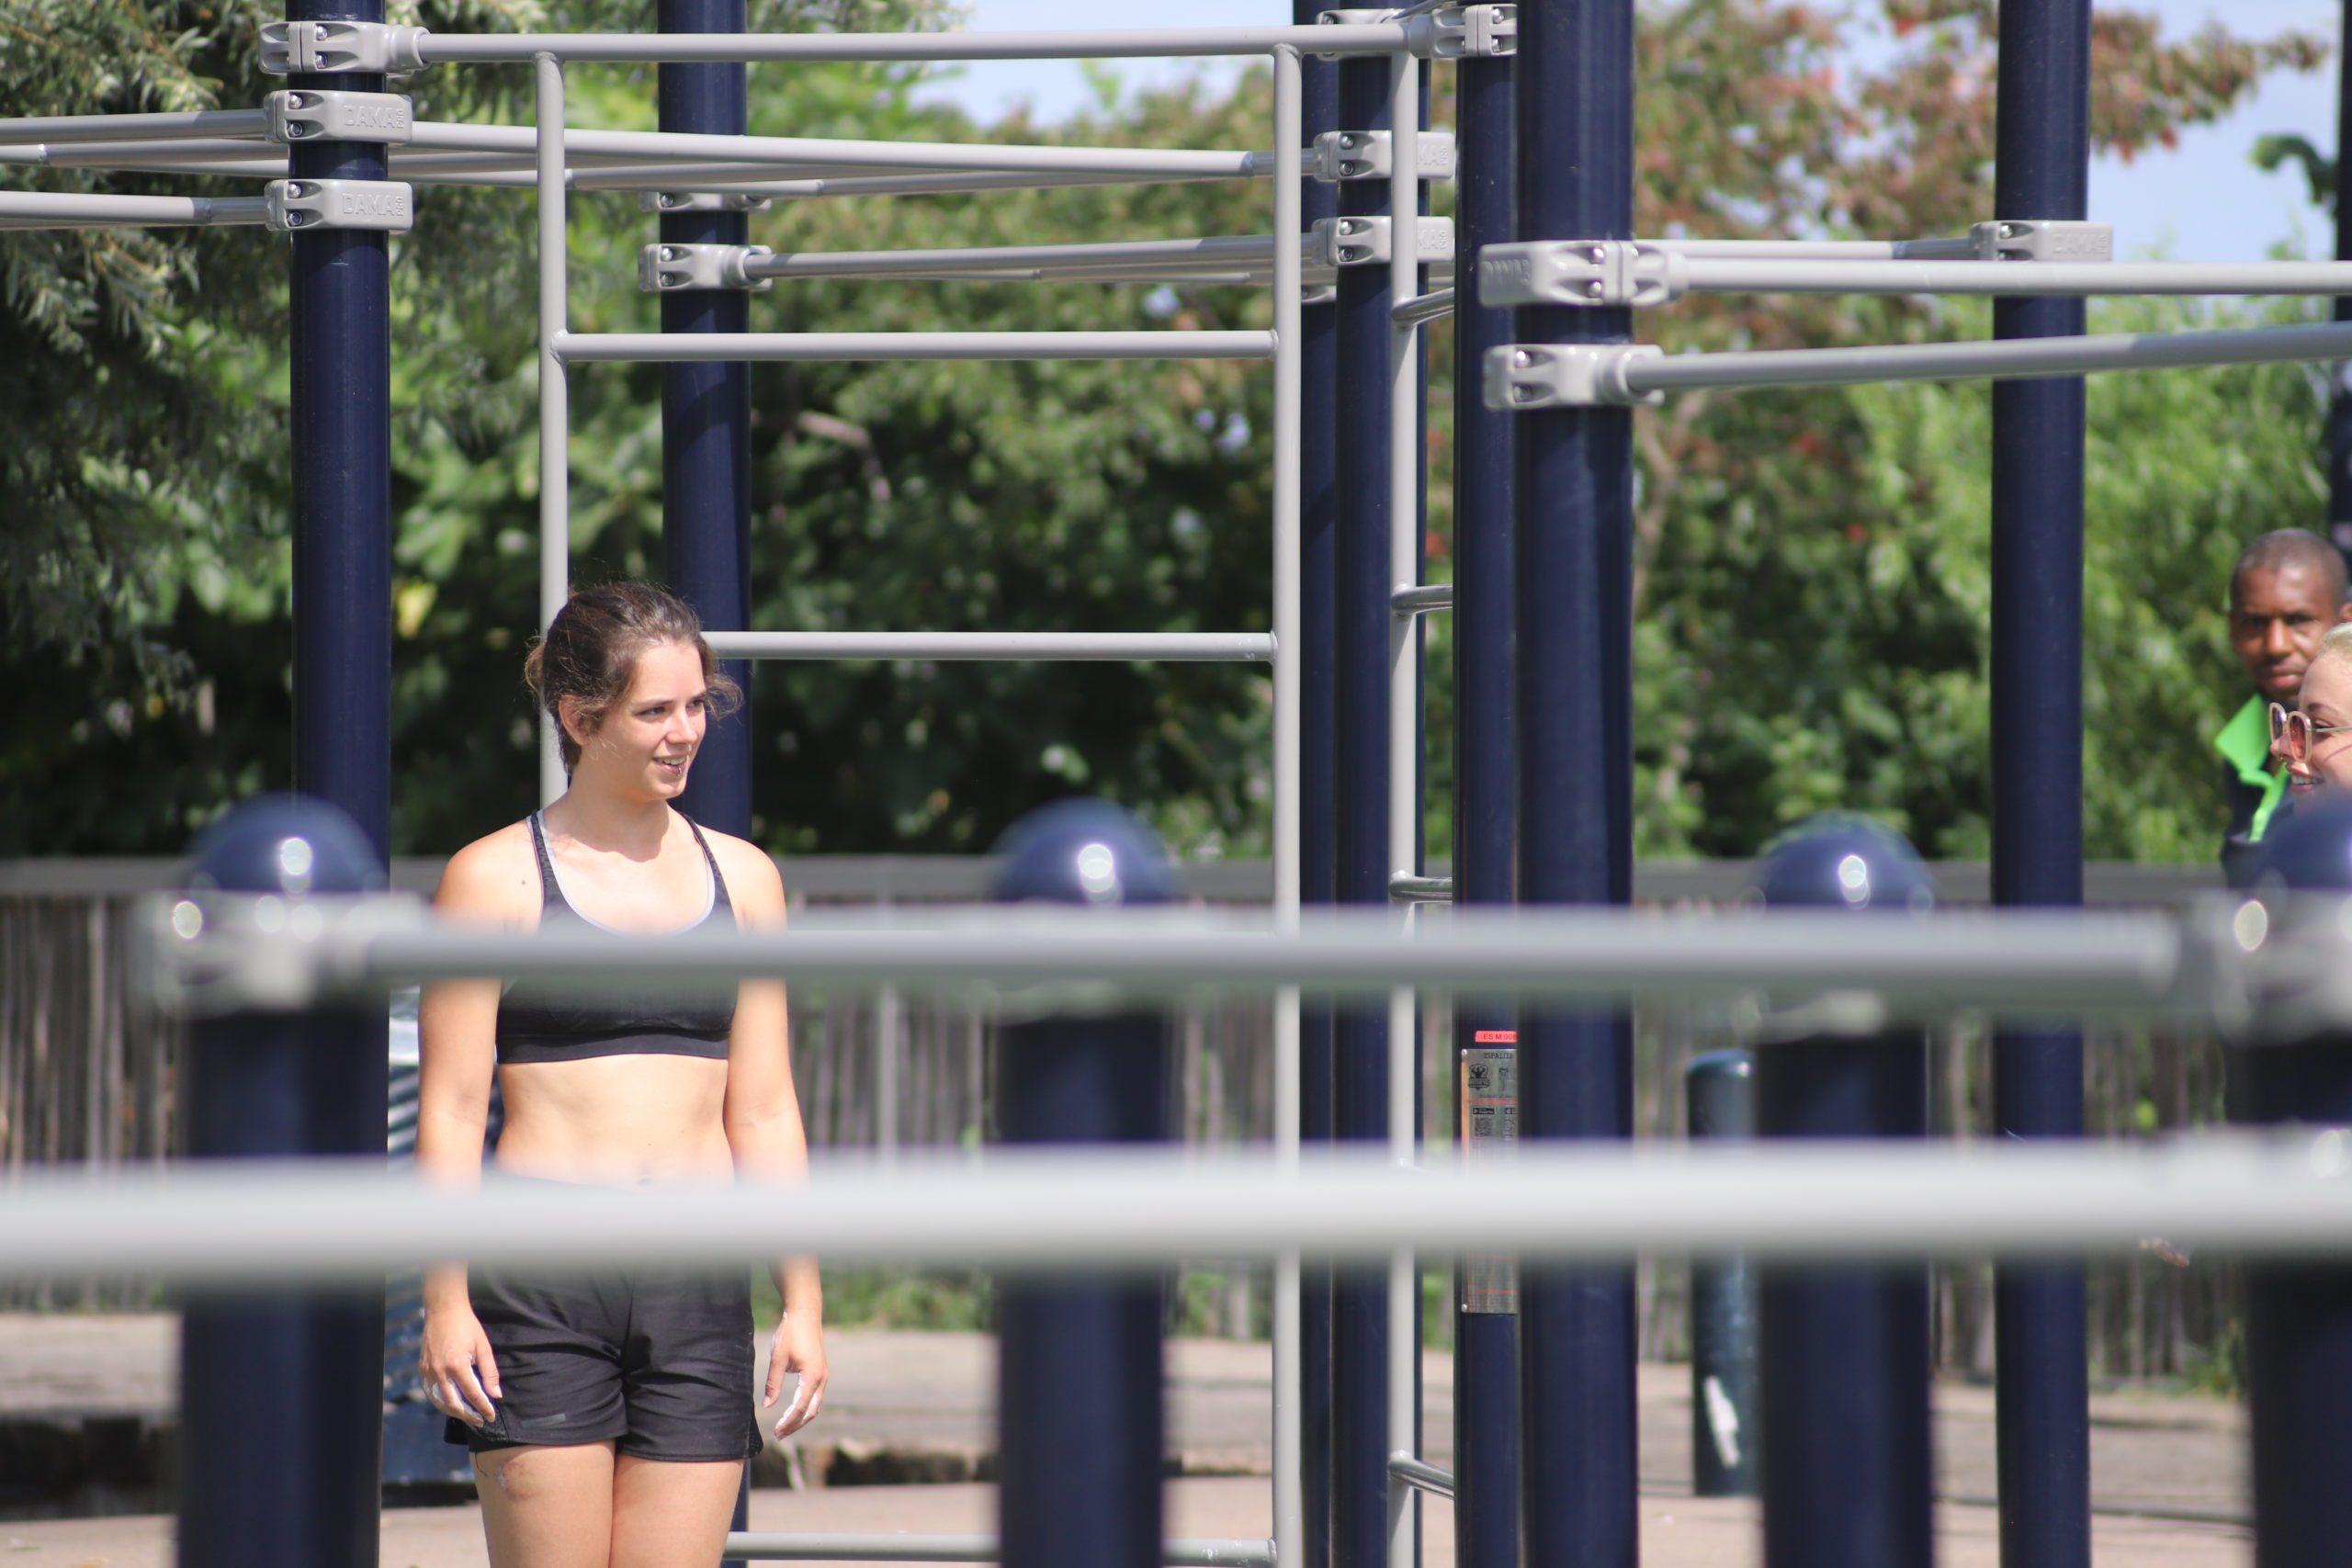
<point x="581" y="348"/>
<point x="1048" y="647"/>
<point x="1160" y="43"/>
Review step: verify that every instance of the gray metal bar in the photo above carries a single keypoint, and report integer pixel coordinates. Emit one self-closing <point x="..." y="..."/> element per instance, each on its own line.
<point x="1425" y="1477"/>
<point x="217" y="1223"/>
<point x="1408" y="888"/>
<point x="90" y="128"/>
<point x="161" y="152"/>
<point x="1096" y="646"/>
<point x="808" y="1546"/>
<point x="41" y="208"/>
<point x="1436" y="304"/>
<point x="1289" y="1371"/>
<point x="1227" y="252"/>
<point x="2016" y="279"/>
<point x="1958" y="248"/>
<point x="554" y="389"/>
<point x="1422" y="600"/>
<point x="1141" y="43"/>
<point x="2014" y="962"/>
<point x="656" y="347"/>
<point x="2010" y="359"/>
<point x="794" y="152"/>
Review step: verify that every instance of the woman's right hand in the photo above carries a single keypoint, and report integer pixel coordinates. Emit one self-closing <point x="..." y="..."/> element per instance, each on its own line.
<point x="459" y="1374"/>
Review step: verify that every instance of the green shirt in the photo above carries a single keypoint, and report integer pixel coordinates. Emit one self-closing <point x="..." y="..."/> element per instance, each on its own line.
<point x="2244" y="746"/>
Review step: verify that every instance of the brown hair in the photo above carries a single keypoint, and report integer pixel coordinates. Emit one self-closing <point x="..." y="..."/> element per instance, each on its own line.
<point x="590" y="653"/>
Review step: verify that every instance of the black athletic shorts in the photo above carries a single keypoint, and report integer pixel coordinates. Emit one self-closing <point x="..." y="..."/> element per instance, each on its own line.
<point x="659" y="1360"/>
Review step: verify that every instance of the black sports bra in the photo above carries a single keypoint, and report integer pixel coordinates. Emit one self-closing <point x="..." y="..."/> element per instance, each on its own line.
<point x="563" y="1020"/>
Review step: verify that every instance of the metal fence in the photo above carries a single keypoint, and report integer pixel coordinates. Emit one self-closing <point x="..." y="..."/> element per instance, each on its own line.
<point x="86" y="1076"/>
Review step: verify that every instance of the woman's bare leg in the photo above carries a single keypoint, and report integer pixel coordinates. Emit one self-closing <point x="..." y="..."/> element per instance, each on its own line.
<point x="667" y="1515"/>
<point x="548" y="1507"/>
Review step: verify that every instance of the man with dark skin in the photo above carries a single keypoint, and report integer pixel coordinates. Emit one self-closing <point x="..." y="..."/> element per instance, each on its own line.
<point x="2286" y="591"/>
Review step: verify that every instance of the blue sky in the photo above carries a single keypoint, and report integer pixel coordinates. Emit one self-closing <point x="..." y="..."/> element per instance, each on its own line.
<point x="2205" y="202"/>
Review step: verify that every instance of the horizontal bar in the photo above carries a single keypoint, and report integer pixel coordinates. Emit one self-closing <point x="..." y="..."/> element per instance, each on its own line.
<point x="1102" y="646"/>
<point x="2009" y="359"/>
<point x="1958" y="248"/>
<point x="1404" y="1467"/>
<point x="1407" y="889"/>
<point x="153" y="153"/>
<point x="1421" y="599"/>
<point x="2020" y="960"/>
<point x="2017" y="280"/>
<point x="1433" y="305"/>
<point x="585" y="348"/>
<point x="1142" y="43"/>
<point x="1227" y="251"/>
<point x="88" y="128"/>
<point x="834" y="153"/>
<point x="870" y="1547"/>
<point x="31" y="208"/>
<point x="210" y="1223"/>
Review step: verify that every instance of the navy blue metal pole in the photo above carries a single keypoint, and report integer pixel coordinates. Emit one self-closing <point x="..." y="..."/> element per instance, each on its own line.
<point x="2298" y="1316"/>
<point x="706" y="422"/>
<point x="2042" y="154"/>
<point x="280" y="1392"/>
<point x="1719" y="1091"/>
<point x="340" y="337"/>
<point x="1362" y="616"/>
<point x="1080" y="1419"/>
<point x="1843" y="1363"/>
<point x="1485" y="1335"/>
<point x="1575" y="493"/>
<point x="1318" y="480"/>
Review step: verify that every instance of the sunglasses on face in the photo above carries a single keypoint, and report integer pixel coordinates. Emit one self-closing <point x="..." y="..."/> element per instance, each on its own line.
<point x="2293" y="734"/>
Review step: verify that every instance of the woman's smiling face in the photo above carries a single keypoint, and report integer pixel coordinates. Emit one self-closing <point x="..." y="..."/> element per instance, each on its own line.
<point x="2327" y="701"/>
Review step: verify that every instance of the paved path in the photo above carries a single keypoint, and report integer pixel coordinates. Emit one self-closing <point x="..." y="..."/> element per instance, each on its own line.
<point x="1676" y="1532"/>
<point x="919" y="1406"/>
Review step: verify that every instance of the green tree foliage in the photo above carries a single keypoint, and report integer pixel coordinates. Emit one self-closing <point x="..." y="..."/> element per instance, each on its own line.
<point x="1810" y="565"/>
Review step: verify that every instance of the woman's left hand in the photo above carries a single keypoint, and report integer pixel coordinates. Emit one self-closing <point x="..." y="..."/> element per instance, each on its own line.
<point x="798" y="1348"/>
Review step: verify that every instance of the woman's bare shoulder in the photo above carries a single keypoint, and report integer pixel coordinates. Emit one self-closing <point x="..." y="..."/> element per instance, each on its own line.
<point x="496" y="877"/>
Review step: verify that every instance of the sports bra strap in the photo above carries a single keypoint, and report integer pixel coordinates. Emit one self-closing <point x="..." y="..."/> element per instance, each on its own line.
<point x="716" y="880"/>
<point x="550" y="891"/>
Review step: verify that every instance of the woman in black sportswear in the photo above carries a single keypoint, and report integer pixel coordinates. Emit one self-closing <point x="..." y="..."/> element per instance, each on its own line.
<point x="610" y="1409"/>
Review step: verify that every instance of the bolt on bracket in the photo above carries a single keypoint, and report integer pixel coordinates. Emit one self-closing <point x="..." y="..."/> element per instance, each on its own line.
<point x="670" y="269"/>
<point x="384" y="206"/>
<point x="1565" y="374"/>
<point x="328" y="48"/>
<point x="1362" y="241"/>
<point x="311" y="114"/>
<point x="2043" y="238"/>
<point x="1591" y="273"/>
<point x="1371" y="154"/>
<point x="700" y="201"/>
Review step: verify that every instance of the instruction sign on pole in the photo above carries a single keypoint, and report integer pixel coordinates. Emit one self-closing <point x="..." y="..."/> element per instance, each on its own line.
<point x="1488" y="1096"/>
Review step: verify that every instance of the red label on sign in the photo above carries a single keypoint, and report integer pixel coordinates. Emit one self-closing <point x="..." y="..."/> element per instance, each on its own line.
<point x="1495" y="1037"/>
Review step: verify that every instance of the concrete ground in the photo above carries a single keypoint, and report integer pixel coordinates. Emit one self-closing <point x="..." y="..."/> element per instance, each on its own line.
<point x="909" y="1406"/>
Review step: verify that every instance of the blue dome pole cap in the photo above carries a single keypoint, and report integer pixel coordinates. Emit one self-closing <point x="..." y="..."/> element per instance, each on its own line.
<point x="1083" y="852"/>
<point x="1845" y="861"/>
<point x="287" y="844"/>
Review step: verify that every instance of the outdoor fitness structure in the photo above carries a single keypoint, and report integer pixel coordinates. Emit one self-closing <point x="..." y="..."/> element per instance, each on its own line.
<point x="1547" y="278"/>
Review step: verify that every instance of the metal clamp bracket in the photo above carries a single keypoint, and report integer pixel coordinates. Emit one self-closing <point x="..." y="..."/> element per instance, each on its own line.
<point x="1581" y="272"/>
<point x="2043" y="238"/>
<point x="699" y="201"/>
<point x="1463" y="32"/>
<point x="1371" y="154"/>
<point x="1567" y="375"/>
<point x="309" y="114"/>
<point x="384" y="205"/>
<point x="327" y="48"/>
<point x="668" y="269"/>
<point x="1361" y="242"/>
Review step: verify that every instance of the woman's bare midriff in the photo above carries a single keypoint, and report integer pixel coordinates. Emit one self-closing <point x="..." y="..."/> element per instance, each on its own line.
<point x="615" y="1119"/>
